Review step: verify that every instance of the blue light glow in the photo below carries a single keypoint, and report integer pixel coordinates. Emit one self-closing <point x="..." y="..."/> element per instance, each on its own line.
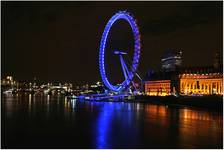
<point x="132" y="22"/>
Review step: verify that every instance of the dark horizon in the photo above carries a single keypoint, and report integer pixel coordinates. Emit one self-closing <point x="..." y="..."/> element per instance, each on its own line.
<point x="59" y="41"/>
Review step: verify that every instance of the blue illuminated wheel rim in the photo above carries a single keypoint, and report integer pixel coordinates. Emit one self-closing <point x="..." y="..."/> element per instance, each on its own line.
<point x="137" y="46"/>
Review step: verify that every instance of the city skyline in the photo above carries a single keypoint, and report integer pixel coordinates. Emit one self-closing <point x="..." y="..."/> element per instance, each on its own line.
<point x="59" y="41"/>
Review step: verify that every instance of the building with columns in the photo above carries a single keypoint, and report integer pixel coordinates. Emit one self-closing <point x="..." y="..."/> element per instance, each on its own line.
<point x="191" y="81"/>
<point x="186" y="80"/>
<point x="205" y="81"/>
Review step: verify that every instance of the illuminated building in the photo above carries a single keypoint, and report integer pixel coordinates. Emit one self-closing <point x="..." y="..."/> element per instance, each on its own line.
<point x="186" y="80"/>
<point x="8" y="81"/>
<point x="160" y="84"/>
<point x="171" y="60"/>
<point x="157" y="88"/>
<point x="202" y="80"/>
<point x="205" y="81"/>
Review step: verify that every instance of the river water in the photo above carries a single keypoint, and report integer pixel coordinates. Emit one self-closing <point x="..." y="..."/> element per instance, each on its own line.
<point x="55" y="122"/>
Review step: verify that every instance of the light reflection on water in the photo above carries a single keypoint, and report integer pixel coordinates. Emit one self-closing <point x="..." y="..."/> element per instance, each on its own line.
<point x="117" y="124"/>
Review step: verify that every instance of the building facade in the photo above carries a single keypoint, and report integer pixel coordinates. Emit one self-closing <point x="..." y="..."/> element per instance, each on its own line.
<point x="173" y="79"/>
<point x="194" y="81"/>
<point x="8" y="81"/>
<point x="205" y="81"/>
<point x="158" y="88"/>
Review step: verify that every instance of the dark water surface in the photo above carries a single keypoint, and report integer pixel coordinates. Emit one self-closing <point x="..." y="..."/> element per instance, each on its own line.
<point x="55" y="122"/>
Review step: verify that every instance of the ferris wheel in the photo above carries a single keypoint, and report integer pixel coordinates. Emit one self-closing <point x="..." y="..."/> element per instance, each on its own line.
<point x="128" y="71"/>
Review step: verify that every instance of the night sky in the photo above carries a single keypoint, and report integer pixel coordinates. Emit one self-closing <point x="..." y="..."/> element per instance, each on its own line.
<point x="59" y="41"/>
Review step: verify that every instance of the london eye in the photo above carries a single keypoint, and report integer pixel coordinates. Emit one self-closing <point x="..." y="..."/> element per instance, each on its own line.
<point x="129" y="69"/>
